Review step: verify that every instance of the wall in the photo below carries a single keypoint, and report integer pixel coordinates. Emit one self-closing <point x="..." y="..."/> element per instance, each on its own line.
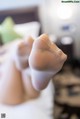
<point x="12" y="4"/>
<point x="52" y="23"/>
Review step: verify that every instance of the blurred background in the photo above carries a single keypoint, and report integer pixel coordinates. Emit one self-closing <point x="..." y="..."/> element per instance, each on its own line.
<point x="61" y="21"/>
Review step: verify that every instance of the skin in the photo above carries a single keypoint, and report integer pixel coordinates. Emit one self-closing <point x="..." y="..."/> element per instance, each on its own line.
<point x="16" y="85"/>
<point x="47" y="57"/>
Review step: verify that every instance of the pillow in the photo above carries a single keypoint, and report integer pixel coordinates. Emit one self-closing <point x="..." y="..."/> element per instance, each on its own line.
<point x="7" y="31"/>
<point x="28" y="29"/>
<point x="8" y="23"/>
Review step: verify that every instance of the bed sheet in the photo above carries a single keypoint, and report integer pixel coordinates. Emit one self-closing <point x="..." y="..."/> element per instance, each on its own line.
<point x="40" y="108"/>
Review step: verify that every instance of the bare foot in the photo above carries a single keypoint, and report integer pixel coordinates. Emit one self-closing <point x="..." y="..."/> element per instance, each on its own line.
<point x="45" y="60"/>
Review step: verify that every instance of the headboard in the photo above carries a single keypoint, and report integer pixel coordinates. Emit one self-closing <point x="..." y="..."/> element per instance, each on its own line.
<point x="21" y="15"/>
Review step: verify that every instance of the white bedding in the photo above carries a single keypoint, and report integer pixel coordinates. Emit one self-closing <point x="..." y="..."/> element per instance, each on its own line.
<point x="28" y="29"/>
<point x="41" y="108"/>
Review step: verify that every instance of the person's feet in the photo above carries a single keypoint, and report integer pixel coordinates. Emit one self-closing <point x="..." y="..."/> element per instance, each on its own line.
<point x="23" y="52"/>
<point x="45" y="60"/>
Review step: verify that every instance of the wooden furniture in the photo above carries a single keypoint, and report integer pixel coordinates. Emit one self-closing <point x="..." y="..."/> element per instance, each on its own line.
<point x="21" y="15"/>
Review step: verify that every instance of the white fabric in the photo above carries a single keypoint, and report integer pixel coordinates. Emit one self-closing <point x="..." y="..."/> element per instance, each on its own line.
<point x="39" y="77"/>
<point x="28" y="29"/>
<point x="41" y="108"/>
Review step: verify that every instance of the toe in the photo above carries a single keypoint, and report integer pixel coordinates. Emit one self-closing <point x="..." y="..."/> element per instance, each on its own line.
<point x="21" y="48"/>
<point x="25" y="46"/>
<point x="29" y="41"/>
<point x="42" y="42"/>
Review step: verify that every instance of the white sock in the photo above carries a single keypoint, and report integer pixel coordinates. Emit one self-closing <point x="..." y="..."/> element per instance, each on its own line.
<point x="40" y="77"/>
<point x="15" y="57"/>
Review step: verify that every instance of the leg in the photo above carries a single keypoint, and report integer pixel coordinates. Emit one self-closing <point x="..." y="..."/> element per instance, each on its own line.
<point x="11" y="87"/>
<point x="45" y="60"/>
<point x="41" y="70"/>
<point x="15" y="88"/>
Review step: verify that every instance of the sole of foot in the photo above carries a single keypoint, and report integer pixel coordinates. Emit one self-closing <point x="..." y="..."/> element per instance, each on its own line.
<point x="45" y="60"/>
